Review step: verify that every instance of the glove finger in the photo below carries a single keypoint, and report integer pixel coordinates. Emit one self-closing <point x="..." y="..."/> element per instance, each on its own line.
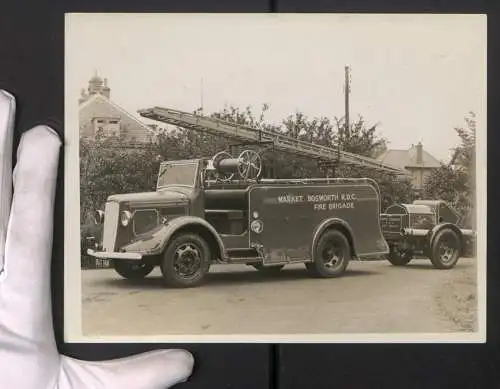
<point x="7" y="113"/>
<point x="29" y="236"/>
<point x="152" y="370"/>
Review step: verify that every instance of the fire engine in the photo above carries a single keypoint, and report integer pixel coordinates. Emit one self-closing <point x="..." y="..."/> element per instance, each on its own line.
<point x="220" y="210"/>
<point x="429" y="228"/>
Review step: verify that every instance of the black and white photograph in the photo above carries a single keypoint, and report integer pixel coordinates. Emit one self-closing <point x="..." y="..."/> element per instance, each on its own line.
<point x="275" y="177"/>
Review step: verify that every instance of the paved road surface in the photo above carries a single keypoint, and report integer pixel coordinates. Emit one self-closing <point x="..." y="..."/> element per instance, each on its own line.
<point x="371" y="297"/>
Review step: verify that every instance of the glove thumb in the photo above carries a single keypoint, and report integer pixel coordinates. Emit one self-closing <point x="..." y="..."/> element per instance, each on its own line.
<point x="152" y="370"/>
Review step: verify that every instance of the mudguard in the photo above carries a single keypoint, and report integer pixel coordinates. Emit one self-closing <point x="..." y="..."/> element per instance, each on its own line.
<point x="329" y="223"/>
<point x="350" y="235"/>
<point x="439" y="227"/>
<point x="156" y="242"/>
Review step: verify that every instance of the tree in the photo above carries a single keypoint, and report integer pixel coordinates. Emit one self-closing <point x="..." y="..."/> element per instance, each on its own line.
<point x="455" y="182"/>
<point x="446" y="183"/>
<point x="109" y="165"/>
<point x="360" y="139"/>
<point x="395" y="191"/>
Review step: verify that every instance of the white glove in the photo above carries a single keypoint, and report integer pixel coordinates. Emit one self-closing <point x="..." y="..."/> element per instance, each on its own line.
<point x="29" y="358"/>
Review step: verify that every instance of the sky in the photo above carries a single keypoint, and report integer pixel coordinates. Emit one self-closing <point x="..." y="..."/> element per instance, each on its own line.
<point x="417" y="76"/>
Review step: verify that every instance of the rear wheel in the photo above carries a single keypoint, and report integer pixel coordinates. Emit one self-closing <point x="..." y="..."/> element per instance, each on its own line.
<point x="445" y="250"/>
<point x="331" y="255"/>
<point x="186" y="261"/>
<point x="133" y="270"/>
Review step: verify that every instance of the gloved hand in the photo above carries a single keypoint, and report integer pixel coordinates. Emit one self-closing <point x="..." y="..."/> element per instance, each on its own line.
<point x="29" y="358"/>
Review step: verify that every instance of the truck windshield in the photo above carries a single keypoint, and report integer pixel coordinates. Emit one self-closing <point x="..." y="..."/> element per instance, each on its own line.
<point x="176" y="174"/>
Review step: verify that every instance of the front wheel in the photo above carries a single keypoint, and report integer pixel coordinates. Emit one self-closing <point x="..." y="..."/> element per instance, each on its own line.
<point x="445" y="250"/>
<point x="133" y="270"/>
<point x="186" y="261"/>
<point x="399" y="257"/>
<point x="331" y="255"/>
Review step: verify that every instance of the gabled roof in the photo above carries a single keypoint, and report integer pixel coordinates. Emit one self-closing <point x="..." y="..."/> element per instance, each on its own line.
<point x="117" y="107"/>
<point x="408" y="158"/>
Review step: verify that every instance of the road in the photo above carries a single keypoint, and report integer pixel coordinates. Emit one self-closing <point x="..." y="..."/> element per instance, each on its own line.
<point x="371" y="297"/>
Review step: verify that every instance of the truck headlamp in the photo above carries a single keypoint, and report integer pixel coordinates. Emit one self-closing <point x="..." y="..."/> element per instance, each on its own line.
<point x="125" y="218"/>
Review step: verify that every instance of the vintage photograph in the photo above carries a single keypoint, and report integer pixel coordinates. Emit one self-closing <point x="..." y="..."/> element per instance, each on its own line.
<point x="275" y="177"/>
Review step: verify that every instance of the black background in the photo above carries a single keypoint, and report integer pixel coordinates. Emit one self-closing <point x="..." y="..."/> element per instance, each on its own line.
<point x="32" y="68"/>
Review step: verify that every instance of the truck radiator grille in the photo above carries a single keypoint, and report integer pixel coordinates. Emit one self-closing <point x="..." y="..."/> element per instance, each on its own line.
<point x="110" y="226"/>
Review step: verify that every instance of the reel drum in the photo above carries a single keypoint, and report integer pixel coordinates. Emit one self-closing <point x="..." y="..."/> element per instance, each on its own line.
<point x="248" y="165"/>
<point x="223" y="173"/>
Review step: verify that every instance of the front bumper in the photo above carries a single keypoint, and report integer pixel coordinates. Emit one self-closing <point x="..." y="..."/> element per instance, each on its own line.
<point x="114" y="255"/>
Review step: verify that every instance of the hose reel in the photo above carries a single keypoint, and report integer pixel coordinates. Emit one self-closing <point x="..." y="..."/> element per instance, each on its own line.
<point x="248" y="165"/>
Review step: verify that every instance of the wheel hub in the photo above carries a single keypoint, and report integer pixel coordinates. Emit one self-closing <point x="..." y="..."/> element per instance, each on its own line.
<point x="447" y="252"/>
<point x="187" y="260"/>
<point x="401" y="252"/>
<point x="332" y="256"/>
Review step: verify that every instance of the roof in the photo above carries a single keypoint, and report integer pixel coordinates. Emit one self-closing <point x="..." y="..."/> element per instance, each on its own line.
<point x="411" y="208"/>
<point x="431" y="203"/>
<point x="418" y="208"/>
<point x="116" y="106"/>
<point x="408" y="158"/>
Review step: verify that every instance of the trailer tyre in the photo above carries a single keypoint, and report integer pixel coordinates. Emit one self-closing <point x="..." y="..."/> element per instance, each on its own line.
<point x="133" y="270"/>
<point x="186" y="261"/>
<point x="445" y="250"/>
<point x="399" y="257"/>
<point x="331" y="255"/>
<point x="268" y="270"/>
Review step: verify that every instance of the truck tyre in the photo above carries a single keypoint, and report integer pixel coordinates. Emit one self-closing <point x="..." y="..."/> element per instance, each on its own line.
<point x="268" y="270"/>
<point x="331" y="255"/>
<point x="399" y="257"/>
<point x="186" y="261"/>
<point x="133" y="270"/>
<point x="445" y="250"/>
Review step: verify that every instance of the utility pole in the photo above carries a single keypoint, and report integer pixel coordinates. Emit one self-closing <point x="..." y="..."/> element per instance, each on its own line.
<point x="347" y="90"/>
<point x="345" y="130"/>
<point x="201" y="95"/>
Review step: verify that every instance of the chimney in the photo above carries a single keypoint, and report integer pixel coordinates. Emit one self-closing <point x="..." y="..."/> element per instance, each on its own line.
<point x="106" y="90"/>
<point x="419" y="154"/>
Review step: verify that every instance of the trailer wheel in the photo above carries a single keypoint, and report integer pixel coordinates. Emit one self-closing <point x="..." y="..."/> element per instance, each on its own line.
<point x="268" y="270"/>
<point x="186" y="261"/>
<point x="331" y="255"/>
<point x="398" y="257"/>
<point x="445" y="250"/>
<point x="133" y="270"/>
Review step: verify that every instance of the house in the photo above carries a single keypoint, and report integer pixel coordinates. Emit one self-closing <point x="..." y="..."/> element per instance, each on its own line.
<point x="98" y="113"/>
<point x="415" y="160"/>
